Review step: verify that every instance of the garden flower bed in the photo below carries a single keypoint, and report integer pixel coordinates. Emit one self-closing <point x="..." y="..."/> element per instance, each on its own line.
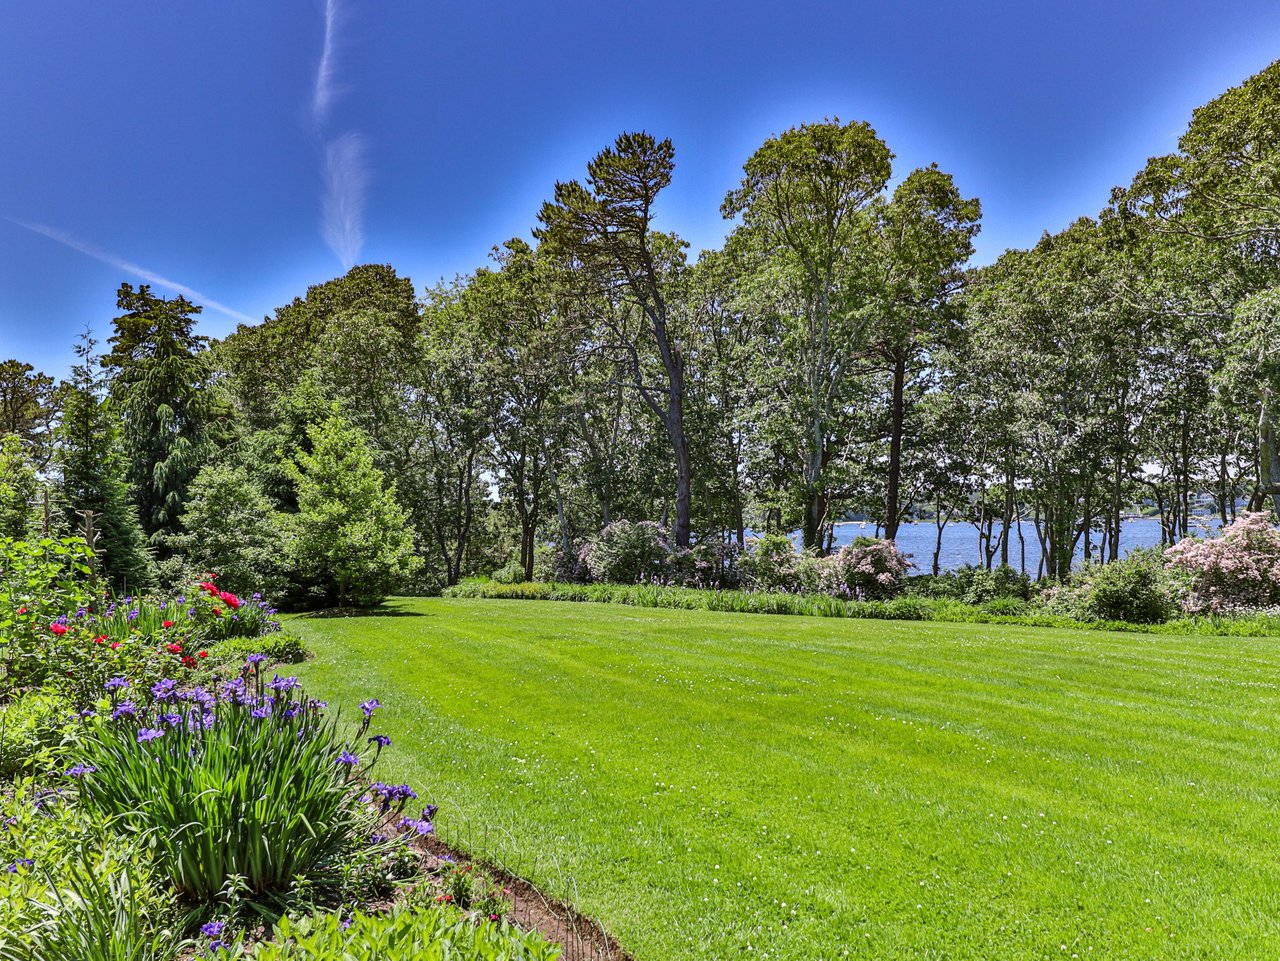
<point x="168" y="793"/>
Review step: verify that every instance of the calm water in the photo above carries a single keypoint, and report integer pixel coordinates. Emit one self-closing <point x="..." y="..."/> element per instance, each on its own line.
<point x="960" y="541"/>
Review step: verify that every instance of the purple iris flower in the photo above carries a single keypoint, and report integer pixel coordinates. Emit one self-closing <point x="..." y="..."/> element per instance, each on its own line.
<point x="149" y="734"/>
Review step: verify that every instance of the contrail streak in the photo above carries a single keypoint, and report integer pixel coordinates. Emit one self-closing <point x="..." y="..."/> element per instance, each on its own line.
<point x="322" y="95"/>
<point x="342" y="210"/>
<point x="97" y="253"/>
<point x="346" y="177"/>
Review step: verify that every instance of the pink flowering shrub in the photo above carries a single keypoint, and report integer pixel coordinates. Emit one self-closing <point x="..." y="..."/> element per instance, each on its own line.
<point x="1239" y="569"/>
<point x="865" y="570"/>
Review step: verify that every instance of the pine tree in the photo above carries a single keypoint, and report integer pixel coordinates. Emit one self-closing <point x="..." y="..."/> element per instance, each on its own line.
<point x="92" y="472"/>
<point x="161" y="384"/>
<point x="349" y="527"/>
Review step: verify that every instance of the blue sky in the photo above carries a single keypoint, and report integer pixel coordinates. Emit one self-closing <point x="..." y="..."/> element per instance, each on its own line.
<point x="215" y="145"/>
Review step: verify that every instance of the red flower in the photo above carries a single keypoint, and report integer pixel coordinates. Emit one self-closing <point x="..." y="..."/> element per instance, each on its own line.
<point x="188" y="660"/>
<point x="208" y="586"/>
<point x="167" y="624"/>
<point x="22" y="610"/>
<point x="174" y="648"/>
<point x="217" y="612"/>
<point x="203" y="654"/>
<point x="97" y="640"/>
<point x="231" y="600"/>
<point x="114" y="645"/>
<point x="58" y="629"/>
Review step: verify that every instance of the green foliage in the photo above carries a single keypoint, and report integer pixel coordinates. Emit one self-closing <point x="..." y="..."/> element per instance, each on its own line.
<point x="161" y="383"/>
<point x="93" y="469"/>
<point x="253" y="797"/>
<point x="280" y="647"/>
<point x="772" y="563"/>
<point x="911" y="608"/>
<point x="33" y="729"/>
<point x="626" y="552"/>
<point x="349" y="526"/>
<point x="1136" y="589"/>
<point x="40" y="582"/>
<point x="18" y="488"/>
<point x="973" y="585"/>
<point x="69" y="890"/>
<point x="405" y="933"/>
<point x="511" y="572"/>
<point x="231" y="529"/>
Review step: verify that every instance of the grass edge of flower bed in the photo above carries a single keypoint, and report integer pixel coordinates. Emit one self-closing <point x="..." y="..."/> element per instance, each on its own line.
<point x="812" y="605"/>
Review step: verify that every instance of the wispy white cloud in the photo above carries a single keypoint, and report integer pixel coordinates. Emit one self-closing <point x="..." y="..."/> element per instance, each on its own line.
<point x="151" y="277"/>
<point x="346" y="175"/>
<point x="346" y="179"/>
<point x="325" y="86"/>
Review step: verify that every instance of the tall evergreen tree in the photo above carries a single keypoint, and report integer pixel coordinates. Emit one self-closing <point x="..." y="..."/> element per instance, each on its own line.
<point x="161" y="383"/>
<point x="93" y="476"/>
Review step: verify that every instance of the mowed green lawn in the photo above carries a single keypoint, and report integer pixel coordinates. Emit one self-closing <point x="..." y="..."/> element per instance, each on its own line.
<point x="723" y="786"/>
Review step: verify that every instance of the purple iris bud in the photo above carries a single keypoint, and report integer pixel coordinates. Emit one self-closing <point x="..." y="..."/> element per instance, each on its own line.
<point x="255" y="658"/>
<point x="344" y="924"/>
<point x="171" y="719"/>
<point x="81" y="612"/>
<point x="133" y="614"/>
<point x="260" y="712"/>
<point x="429" y="812"/>
<point x="381" y="740"/>
<point x="149" y="734"/>
<point x="124" y="708"/>
<point x="115" y="682"/>
<point x="347" y="758"/>
<point x="80" y="770"/>
<point x="370" y="706"/>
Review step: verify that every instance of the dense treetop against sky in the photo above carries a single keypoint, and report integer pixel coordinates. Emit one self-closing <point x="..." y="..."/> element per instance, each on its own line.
<point x="244" y="150"/>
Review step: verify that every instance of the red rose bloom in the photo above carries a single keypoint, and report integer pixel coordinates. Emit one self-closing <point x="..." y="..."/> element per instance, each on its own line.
<point x="188" y="660"/>
<point x="173" y="648"/>
<point x="167" y="624"/>
<point x="97" y="640"/>
<point x="217" y="612"/>
<point x="202" y="654"/>
<point x="230" y="599"/>
<point x="114" y="645"/>
<point x="58" y="629"/>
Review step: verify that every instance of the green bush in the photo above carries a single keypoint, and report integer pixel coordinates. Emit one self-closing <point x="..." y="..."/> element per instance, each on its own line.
<point x="32" y="728"/>
<point x="280" y="647"/>
<point x="772" y="563"/>
<point x="1136" y="589"/>
<point x="973" y="585"/>
<point x="509" y="573"/>
<point x="626" y="553"/>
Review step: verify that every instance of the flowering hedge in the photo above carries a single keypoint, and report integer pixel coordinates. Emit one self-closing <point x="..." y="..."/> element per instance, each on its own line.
<point x="1240" y="568"/>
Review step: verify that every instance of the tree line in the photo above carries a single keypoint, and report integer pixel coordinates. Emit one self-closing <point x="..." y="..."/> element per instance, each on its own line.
<point x="837" y="357"/>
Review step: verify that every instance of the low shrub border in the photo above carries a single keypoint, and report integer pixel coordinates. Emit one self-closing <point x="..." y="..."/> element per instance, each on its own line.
<point x="817" y="605"/>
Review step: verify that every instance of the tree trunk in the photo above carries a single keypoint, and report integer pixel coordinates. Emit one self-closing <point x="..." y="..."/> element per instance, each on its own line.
<point x="897" y="415"/>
